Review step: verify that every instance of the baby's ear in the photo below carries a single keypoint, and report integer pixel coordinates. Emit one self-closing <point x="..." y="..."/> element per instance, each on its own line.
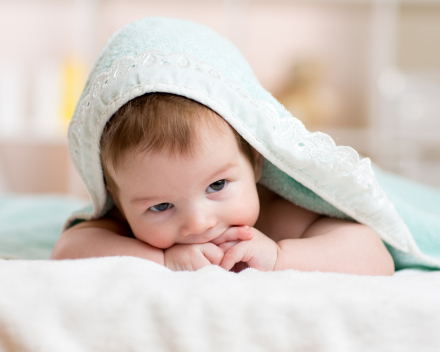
<point x="258" y="168"/>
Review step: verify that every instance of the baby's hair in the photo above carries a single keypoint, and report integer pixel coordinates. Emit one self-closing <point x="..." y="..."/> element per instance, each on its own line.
<point x="156" y="122"/>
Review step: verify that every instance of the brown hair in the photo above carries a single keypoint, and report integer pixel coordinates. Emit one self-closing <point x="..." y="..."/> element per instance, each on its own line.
<point x="156" y="122"/>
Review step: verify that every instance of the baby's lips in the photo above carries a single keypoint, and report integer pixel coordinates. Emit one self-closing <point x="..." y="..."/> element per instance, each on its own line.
<point x="234" y="233"/>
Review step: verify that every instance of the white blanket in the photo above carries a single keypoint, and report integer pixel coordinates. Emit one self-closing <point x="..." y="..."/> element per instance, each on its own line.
<point x="130" y="304"/>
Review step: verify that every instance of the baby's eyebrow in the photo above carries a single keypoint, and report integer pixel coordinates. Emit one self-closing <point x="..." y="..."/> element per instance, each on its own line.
<point x="222" y="169"/>
<point x="141" y="199"/>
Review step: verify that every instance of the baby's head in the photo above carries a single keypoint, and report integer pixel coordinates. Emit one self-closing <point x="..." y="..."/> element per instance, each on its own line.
<point x="178" y="171"/>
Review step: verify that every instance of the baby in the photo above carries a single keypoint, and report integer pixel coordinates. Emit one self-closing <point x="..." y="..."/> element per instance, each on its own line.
<point x="186" y="194"/>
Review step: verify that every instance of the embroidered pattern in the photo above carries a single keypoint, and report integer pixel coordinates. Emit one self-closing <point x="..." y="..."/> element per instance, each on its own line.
<point x="315" y="147"/>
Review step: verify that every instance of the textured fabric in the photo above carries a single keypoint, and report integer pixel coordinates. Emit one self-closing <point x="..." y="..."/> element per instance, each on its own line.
<point x="131" y="304"/>
<point x="419" y="206"/>
<point x="30" y="225"/>
<point x="181" y="57"/>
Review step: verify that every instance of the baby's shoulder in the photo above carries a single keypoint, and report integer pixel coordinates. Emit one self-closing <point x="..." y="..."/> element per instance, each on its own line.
<point x="112" y="221"/>
<point x="280" y="219"/>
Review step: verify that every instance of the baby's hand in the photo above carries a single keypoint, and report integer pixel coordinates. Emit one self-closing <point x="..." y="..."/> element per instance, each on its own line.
<point x="191" y="257"/>
<point x="259" y="252"/>
<point x="231" y="237"/>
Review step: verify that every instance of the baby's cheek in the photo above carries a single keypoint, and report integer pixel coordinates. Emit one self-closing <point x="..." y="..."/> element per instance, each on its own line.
<point x="154" y="237"/>
<point x="253" y="214"/>
<point x="247" y="212"/>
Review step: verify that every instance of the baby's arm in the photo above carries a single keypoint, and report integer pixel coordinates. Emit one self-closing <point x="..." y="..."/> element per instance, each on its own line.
<point x="338" y="246"/>
<point x="101" y="238"/>
<point x="331" y="245"/>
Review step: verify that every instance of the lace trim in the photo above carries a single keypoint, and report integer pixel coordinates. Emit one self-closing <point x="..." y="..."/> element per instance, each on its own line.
<point x="311" y="146"/>
<point x="320" y="147"/>
<point x="149" y="59"/>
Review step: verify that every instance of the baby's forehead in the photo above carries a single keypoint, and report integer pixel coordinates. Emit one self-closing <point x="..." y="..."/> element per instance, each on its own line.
<point x="215" y="152"/>
<point x="205" y="138"/>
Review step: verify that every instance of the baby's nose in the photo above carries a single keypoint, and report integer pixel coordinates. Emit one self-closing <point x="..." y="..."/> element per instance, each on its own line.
<point x="197" y="222"/>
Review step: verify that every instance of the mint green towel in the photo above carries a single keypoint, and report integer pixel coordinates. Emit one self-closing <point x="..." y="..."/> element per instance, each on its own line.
<point x="30" y="225"/>
<point x="419" y="207"/>
<point x="188" y="59"/>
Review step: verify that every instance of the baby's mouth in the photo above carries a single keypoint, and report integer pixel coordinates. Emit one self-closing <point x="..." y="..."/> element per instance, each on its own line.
<point x="206" y="238"/>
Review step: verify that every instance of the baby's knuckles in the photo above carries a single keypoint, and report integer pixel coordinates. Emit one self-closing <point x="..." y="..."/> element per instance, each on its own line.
<point x="194" y="258"/>
<point x="175" y="257"/>
<point x="231" y="257"/>
<point x="213" y="253"/>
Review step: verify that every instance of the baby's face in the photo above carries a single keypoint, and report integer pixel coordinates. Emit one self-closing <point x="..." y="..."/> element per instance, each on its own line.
<point x="188" y="199"/>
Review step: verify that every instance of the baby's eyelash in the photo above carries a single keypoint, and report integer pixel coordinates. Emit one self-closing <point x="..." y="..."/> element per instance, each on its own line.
<point x="159" y="208"/>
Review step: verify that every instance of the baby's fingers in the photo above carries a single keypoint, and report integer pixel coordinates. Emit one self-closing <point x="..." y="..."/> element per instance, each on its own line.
<point x="227" y="245"/>
<point x="213" y="253"/>
<point x="235" y="233"/>
<point x="236" y="254"/>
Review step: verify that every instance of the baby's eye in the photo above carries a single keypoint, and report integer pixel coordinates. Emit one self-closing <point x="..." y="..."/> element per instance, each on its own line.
<point x="216" y="186"/>
<point x="161" y="207"/>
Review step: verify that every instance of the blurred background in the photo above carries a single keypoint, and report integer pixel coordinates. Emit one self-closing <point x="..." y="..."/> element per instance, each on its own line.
<point x="366" y="72"/>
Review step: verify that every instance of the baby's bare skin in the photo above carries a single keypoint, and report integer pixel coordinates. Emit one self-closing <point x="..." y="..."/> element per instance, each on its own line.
<point x="218" y="215"/>
<point x="111" y="236"/>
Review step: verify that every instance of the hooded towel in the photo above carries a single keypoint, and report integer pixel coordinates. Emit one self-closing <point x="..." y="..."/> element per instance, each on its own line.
<point x="308" y="169"/>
